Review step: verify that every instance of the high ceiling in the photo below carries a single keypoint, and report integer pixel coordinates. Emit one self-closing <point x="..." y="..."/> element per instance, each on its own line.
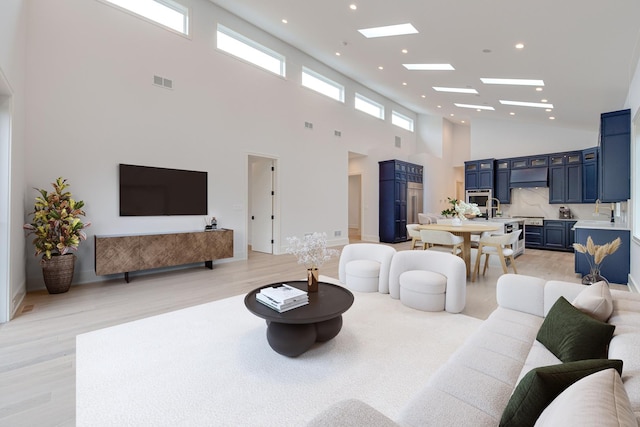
<point x="585" y="51"/>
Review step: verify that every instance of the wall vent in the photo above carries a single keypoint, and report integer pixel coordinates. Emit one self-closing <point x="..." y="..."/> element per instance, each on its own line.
<point x="398" y="142"/>
<point x="162" y="82"/>
<point x="337" y="133"/>
<point x="308" y="125"/>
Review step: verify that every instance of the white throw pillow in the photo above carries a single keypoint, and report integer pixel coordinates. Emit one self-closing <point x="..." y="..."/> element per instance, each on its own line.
<point x="596" y="301"/>
<point x="599" y="399"/>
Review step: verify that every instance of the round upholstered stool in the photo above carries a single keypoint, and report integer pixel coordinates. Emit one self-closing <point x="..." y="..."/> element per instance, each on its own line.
<point x="423" y="290"/>
<point x="363" y="275"/>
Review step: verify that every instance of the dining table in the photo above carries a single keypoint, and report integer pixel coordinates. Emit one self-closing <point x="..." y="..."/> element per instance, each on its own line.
<point x="466" y="229"/>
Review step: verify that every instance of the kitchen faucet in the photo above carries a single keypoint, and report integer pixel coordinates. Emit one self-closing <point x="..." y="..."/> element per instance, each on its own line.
<point x="597" y="210"/>
<point x="490" y="207"/>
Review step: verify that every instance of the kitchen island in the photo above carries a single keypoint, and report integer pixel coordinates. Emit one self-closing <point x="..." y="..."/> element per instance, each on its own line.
<point x="615" y="267"/>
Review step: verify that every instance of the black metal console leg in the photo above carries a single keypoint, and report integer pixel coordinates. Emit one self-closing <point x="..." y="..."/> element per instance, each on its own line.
<point x="126" y="276"/>
<point x="209" y="264"/>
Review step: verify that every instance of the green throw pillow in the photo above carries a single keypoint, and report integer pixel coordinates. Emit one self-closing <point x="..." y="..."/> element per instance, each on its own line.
<point x="573" y="335"/>
<point x="540" y="386"/>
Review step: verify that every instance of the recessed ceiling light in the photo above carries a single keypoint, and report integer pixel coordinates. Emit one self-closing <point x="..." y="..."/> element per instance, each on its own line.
<point x="338" y="54"/>
<point x="552" y="118"/>
<point x="538" y="89"/>
<point x="518" y="82"/>
<point x="455" y="89"/>
<point x="526" y="104"/>
<point x="405" y="51"/>
<point x="404" y="83"/>
<point x="520" y="46"/>
<point x="548" y="110"/>
<point x="353" y="7"/>
<point x="284" y="21"/>
<point x="544" y="100"/>
<point x="439" y="106"/>
<point x="428" y="67"/>
<point x="512" y="113"/>
<point x="462" y="121"/>
<point x="388" y="31"/>
<point x="451" y="114"/>
<point x="424" y="96"/>
<point x="380" y="67"/>
<point x="477" y="107"/>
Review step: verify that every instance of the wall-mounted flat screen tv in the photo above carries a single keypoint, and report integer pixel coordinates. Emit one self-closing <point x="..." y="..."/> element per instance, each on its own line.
<point x="151" y="191"/>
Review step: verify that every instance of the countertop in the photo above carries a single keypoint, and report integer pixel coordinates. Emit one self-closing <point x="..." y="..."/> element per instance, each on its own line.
<point x="601" y="225"/>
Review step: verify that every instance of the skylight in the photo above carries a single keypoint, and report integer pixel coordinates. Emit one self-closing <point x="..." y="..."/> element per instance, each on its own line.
<point x="455" y="89"/>
<point x="165" y="12"/>
<point x="517" y="82"/>
<point x="245" y="48"/>
<point x="527" y="104"/>
<point x="388" y="31"/>
<point x="429" y="67"/>
<point x="475" y="107"/>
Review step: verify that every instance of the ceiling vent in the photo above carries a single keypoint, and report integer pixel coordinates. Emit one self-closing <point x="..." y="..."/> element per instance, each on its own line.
<point x="308" y="125"/>
<point x="398" y="142"/>
<point x="337" y="133"/>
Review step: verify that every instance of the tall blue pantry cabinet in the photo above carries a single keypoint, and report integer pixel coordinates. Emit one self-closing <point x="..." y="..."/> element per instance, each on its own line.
<point x="395" y="175"/>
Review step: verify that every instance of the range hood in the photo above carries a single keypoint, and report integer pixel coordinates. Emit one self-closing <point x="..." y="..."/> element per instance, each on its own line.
<point x="529" y="177"/>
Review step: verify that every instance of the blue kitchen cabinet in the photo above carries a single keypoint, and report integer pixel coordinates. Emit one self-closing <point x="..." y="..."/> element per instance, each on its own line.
<point x="590" y="175"/>
<point x="394" y="176"/>
<point x="565" y="177"/>
<point x="615" y="267"/>
<point x="559" y="235"/>
<point x="534" y="236"/>
<point x="478" y="174"/>
<point x="614" y="159"/>
<point x="502" y="191"/>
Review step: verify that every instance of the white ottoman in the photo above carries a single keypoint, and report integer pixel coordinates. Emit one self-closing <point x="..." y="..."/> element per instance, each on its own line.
<point x="363" y="275"/>
<point x="423" y="290"/>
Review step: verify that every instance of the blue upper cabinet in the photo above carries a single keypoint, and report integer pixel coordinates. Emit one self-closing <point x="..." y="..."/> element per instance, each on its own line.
<point x="614" y="159"/>
<point x="565" y="177"/>
<point x="502" y="191"/>
<point x="590" y="175"/>
<point x="478" y="174"/>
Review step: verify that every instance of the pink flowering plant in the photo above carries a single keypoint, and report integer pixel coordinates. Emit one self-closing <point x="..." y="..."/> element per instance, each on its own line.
<point x="311" y="251"/>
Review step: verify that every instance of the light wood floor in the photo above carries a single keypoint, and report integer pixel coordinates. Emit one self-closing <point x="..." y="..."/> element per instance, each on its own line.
<point x="37" y="348"/>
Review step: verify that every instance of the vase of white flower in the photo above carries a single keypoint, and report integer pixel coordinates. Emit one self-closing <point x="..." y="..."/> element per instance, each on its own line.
<point x="312" y="252"/>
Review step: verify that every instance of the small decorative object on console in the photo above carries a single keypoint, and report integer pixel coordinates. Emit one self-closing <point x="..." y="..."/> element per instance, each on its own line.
<point x="595" y="255"/>
<point x="311" y="252"/>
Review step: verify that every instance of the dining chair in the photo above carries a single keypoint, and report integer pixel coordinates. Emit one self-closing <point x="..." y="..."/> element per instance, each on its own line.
<point x="414" y="232"/>
<point x="497" y="244"/>
<point x="443" y="241"/>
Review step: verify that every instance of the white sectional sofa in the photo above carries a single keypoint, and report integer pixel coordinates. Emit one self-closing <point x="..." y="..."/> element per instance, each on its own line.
<point x="476" y="384"/>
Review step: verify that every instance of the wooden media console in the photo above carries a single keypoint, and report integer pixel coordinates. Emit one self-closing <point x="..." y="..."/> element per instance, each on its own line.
<point x="123" y="254"/>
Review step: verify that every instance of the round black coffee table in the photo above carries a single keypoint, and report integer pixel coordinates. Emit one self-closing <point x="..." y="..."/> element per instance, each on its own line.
<point x="293" y="332"/>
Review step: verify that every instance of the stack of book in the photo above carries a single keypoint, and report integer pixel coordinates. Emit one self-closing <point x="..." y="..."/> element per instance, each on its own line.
<point x="282" y="298"/>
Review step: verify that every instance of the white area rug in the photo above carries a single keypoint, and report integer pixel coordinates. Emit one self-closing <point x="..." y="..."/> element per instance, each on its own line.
<point x="211" y="365"/>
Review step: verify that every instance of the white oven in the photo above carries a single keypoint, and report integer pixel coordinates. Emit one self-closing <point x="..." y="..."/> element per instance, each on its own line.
<point x="480" y="198"/>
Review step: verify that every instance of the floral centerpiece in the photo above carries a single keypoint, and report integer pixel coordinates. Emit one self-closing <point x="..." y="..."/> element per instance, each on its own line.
<point x="595" y="255"/>
<point x="58" y="230"/>
<point x="312" y="252"/>
<point x="460" y="209"/>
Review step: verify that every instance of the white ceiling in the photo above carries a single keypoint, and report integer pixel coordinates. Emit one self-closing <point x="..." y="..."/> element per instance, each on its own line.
<point x="585" y="51"/>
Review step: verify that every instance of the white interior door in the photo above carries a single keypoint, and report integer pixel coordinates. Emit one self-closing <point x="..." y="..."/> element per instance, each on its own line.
<point x="262" y="203"/>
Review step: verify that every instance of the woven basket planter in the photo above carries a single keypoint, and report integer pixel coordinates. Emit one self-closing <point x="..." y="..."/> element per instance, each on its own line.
<point x="58" y="272"/>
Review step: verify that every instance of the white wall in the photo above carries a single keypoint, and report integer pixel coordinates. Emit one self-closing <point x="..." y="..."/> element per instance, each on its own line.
<point x="633" y="102"/>
<point x="90" y="94"/>
<point x="12" y="90"/>
<point x="492" y="138"/>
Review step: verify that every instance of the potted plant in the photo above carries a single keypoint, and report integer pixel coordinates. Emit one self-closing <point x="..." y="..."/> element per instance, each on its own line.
<point x="57" y="228"/>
